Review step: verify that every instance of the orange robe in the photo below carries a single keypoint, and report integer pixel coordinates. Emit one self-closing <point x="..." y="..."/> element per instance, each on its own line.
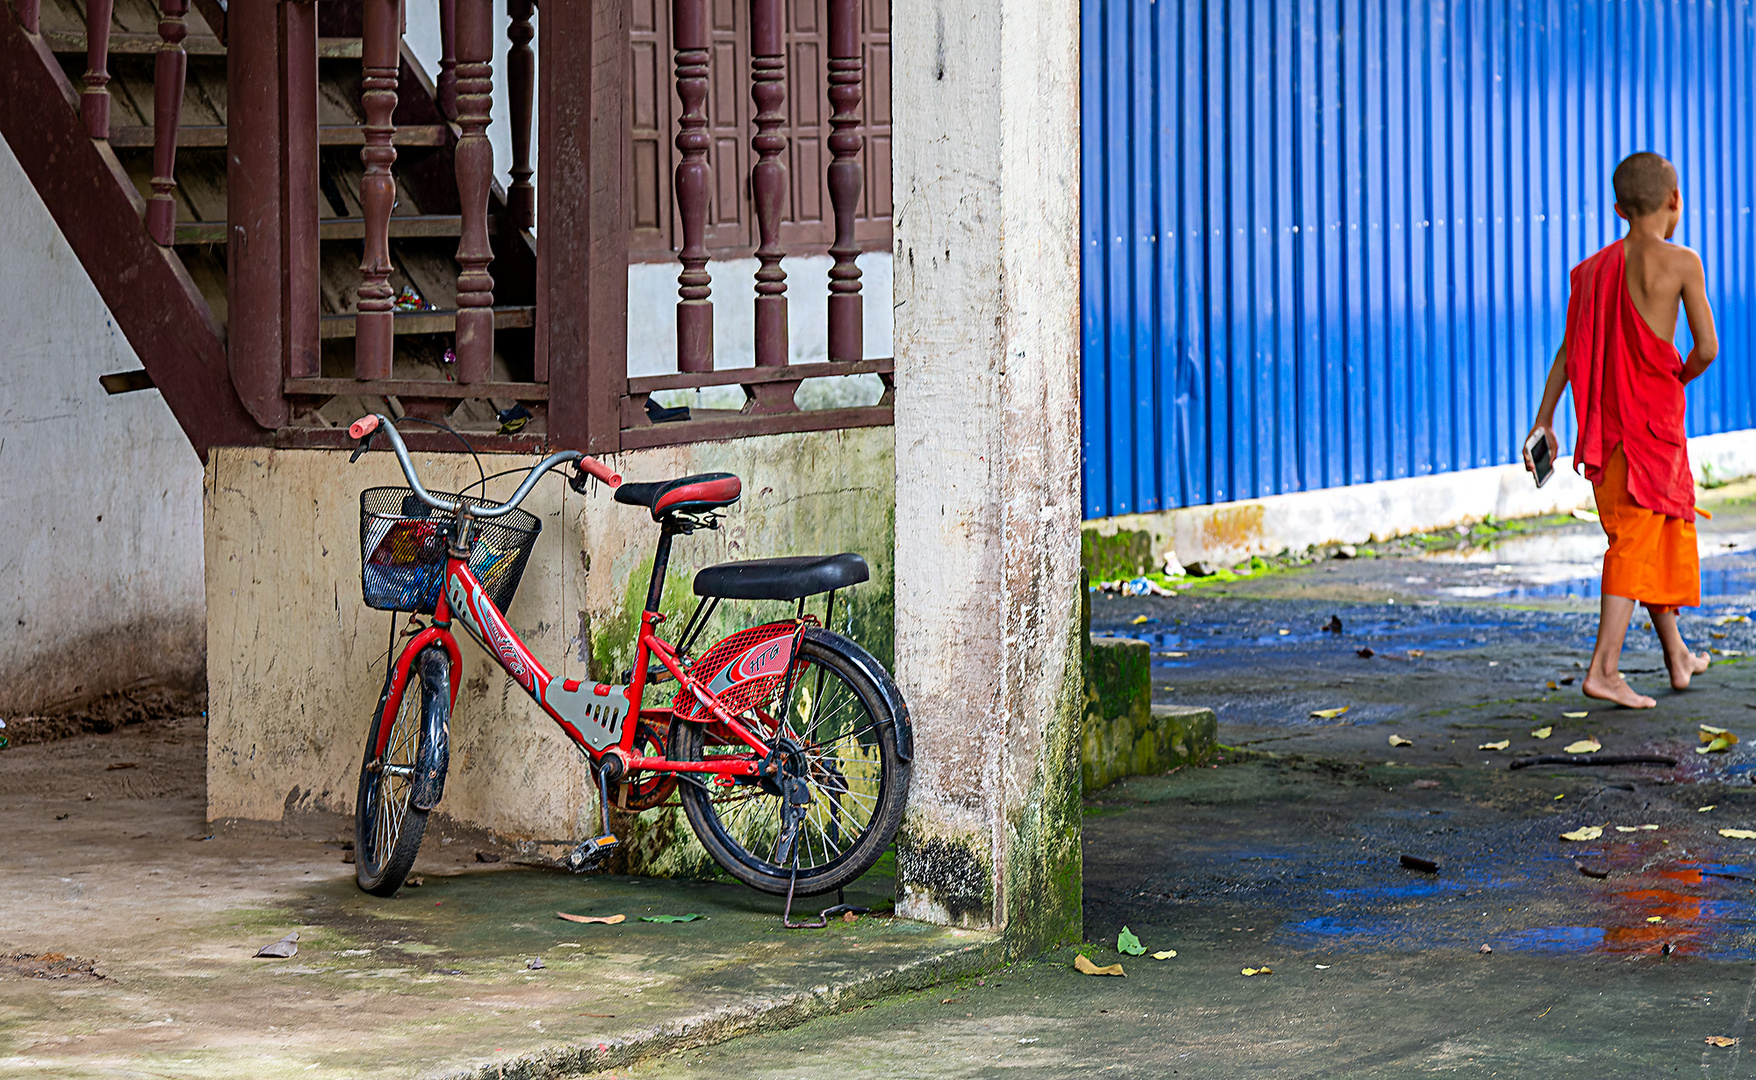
<point x="1652" y="558"/>
<point x="1628" y="394"/>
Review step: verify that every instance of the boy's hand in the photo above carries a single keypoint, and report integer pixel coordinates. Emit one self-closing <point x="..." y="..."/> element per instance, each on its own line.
<point x="1548" y="435"/>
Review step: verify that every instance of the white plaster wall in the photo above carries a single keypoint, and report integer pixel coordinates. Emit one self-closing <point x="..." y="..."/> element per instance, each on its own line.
<point x="100" y="543"/>
<point x="986" y="181"/>
<point x="1227" y="533"/>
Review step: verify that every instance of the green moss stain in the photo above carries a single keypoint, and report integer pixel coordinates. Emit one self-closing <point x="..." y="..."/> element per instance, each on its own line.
<point x="955" y="874"/>
<point x="1125" y="554"/>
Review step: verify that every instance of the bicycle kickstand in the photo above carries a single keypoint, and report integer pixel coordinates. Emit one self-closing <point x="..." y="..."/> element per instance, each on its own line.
<point x="786" y="918"/>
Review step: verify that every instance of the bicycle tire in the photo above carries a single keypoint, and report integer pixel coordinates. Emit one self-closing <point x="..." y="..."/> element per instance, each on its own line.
<point x="734" y="837"/>
<point x="387" y="827"/>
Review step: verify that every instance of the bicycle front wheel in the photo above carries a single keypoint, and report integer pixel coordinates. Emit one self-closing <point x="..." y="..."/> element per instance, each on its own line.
<point x="845" y="729"/>
<point x="387" y="826"/>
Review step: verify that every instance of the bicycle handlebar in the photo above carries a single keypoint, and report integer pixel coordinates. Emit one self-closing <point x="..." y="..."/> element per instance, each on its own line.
<point x="367" y="426"/>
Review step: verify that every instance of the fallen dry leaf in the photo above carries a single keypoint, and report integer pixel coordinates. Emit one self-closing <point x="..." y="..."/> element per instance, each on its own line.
<point x="1085" y="967"/>
<point x="1655" y="918"/>
<point x="1165" y="955"/>
<point x="1138" y="619"/>
<point x="1727" y="652"/>
<point x="1721" y="1040"/>
<point x="1398" y="740"/>
<point x="1635" y="828"/>
<point x="1424" y="785"/>
<point x="1584" y="832"/>
<point x="1416" y="654"/>
<point x="1501" y="745"/>
<point x="1322" y="967"/>
<point x="1542" y="732"/>
<point x="1173" y="655"/>
<point x="1575" y="715"/>
<point x="1706" y="808"/>
<point x="606" y="920"/>
<point x="1259" y="971"/>
<point x="1739" y="834"/>
<point x="1553" y="685"/>
<point x="1584" y="746"/>
<point x="1328" y="714"/>
<point x="1709" y="733"/>
<point x="1719" y="745"/>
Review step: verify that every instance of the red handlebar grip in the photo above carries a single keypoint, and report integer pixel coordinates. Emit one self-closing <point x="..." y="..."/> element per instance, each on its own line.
<point x="363" y="427"/>
<point x="599" y="470"/>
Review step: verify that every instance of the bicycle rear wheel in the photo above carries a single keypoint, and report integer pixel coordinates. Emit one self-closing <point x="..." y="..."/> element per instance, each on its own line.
<point x="845" y="729"/>
<point x="387" y="826"/>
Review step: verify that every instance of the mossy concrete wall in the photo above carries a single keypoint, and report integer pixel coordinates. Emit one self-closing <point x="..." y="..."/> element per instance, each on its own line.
<point x="1124" y="733"/>
<point x="985" y="108"/>
<point x="296" y="660"/>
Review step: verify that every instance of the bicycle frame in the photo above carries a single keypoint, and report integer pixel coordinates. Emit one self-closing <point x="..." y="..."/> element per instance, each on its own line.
<point x="595" y="716"/>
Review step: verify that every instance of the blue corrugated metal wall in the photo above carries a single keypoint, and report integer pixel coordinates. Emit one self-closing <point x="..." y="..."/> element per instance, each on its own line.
<point x="1327" y="242"/>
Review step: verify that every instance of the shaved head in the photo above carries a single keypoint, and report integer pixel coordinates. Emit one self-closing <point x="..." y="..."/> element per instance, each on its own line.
<point x="1643" y="182"/>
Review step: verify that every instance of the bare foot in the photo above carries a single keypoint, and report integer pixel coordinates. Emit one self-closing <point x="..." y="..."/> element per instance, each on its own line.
<point x="1614" y="688"/>
<point x="1685" y="666"/>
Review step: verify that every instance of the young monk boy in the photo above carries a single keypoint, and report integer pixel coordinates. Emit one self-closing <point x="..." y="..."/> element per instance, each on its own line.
<point x="1628" y="381"/>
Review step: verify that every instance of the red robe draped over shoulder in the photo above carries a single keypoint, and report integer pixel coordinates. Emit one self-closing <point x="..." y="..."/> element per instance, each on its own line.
<point x="1627" y="389"/>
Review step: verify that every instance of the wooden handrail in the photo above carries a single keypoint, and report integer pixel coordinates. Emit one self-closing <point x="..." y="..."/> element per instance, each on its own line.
<point x="846" y="336"/>
<point x="170" y="70"/>
<point x="474" y="157"/>
<point x="94" y="95"/>
<point x="381" y="48"/>
<point x="691" y="36"/>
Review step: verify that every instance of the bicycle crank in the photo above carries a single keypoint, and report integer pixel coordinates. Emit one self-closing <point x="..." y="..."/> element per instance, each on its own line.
<point x="795" y="803"/>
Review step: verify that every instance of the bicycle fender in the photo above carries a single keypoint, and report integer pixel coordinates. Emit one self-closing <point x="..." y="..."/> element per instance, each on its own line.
<point x="880" y="678"/>
<point x="429" y="786"/>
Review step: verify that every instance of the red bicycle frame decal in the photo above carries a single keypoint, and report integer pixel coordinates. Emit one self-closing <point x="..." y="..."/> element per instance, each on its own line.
<point x="600" y="718"/>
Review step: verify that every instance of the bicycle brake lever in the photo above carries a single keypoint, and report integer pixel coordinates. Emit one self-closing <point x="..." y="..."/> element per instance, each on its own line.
<point x="365" y="445"/>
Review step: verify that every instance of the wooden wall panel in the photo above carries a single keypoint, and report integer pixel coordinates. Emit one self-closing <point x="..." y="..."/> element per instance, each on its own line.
<point x="807" y="227"/>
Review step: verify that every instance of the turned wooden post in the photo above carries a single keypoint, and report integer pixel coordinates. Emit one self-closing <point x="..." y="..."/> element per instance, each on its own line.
<point x="475" y="174"/>
<point x="448" y="58"/>
<point x="30" y="14"/>
<point x="521" y="76"/>
<point x="846" y="340"/>
<point x="691" y="37"/>
<point x="380" y="52"/>
<point x="169" y="72"/>
<point x="768" y="178"/>
<point x="94" y="96"/>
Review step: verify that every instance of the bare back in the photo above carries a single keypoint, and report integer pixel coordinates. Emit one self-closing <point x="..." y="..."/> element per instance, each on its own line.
<point x="1662" y="275"/>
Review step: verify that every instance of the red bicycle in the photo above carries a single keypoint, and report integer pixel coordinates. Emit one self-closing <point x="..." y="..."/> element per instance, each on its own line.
<point x="787" y="745"/>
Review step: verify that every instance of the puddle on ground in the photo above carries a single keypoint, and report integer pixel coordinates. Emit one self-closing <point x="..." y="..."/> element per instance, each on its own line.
<point x="1420" y="630"/>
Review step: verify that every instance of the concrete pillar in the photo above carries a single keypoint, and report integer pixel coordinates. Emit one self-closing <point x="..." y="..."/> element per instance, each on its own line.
<point x="986" y="170"/>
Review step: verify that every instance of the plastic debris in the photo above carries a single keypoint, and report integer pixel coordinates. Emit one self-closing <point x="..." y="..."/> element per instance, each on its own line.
<point x="535" y="963"/>
<point x="1398" y="740"/>
<point x="281" y="949"/>
<point x="1485" y="949"/>
<point x="1415" y="862"/>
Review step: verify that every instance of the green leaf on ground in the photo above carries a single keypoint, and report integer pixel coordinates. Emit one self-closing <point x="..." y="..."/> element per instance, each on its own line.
<point x="691" y="917"/>
<point x="1126" y="942"/>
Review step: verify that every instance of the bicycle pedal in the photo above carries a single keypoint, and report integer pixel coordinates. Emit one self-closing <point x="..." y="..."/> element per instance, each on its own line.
<point x="592" y="852"/>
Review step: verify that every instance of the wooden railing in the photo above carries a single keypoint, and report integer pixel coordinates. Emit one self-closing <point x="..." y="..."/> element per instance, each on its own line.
<point x="578" y="384"/>
<point x="770" y="387"/>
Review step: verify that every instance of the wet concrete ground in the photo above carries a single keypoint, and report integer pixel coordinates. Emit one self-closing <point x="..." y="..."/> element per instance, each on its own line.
<point x="1286" y="854"/>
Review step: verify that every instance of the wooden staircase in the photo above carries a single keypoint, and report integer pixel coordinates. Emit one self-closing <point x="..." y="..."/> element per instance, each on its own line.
<point x="425" y="225"/>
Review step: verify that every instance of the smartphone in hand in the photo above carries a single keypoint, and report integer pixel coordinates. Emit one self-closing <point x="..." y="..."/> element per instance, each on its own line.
<point x="1537" y="446"/>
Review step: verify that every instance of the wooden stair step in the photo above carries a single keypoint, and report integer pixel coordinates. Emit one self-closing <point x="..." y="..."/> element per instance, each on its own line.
<point x="214" y="135"/>
<point x="401" y="227"/>
<point x="507" y="317"/>
<point x="412" y="388"/>
<point x="121" y="44"/>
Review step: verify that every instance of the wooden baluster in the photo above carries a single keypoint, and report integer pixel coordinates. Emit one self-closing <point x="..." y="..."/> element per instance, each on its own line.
<point x="169" y="72"/>
<point x="94" y="97"/>
<point x="475" y="174"/>
<point x="375" y="325"/>
<point x="690" y="36"/>
<point x="846" y="340"/>
<point x="448" y="58"/>
<point x="521" y="76"/>
<point x="30" y="13"/>
<point x="768" y="178"/>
